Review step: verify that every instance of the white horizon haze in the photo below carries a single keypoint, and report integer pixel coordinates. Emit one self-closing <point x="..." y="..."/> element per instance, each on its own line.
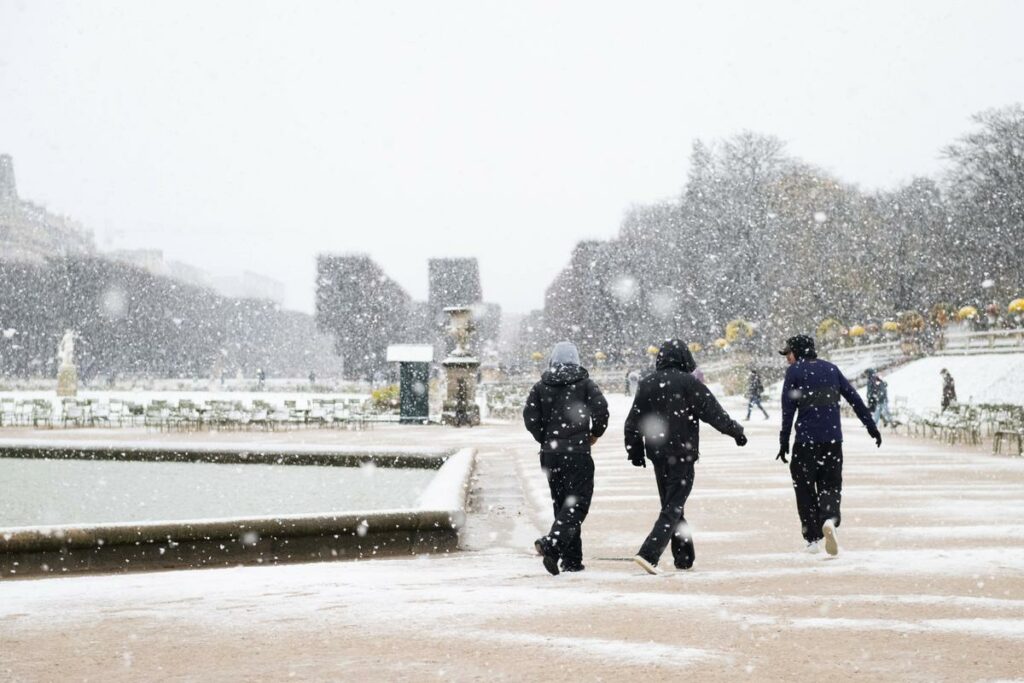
<point x="253" y="136"/>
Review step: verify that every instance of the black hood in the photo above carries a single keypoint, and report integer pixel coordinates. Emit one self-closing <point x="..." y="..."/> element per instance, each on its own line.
<point x="560" y="375"/>
<point x="675" y="354"/>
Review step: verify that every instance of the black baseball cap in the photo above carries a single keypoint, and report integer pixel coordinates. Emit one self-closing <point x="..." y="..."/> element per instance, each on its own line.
<point x="801" y="346"/>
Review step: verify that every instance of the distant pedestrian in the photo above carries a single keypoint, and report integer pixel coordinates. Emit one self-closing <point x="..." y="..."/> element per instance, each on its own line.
<point x="312" y="378"/>
<point x="948" y="389"/>
<point x="261" y="379"/>
<point x="755" y="387"/>
<point x="632" y="382"/>
<point x="811" y="393"/>
<point x="566" y="413"/>
<point x="872" y="396"/>
<point x="663" y="425"/>
<point x="878" y="398"/>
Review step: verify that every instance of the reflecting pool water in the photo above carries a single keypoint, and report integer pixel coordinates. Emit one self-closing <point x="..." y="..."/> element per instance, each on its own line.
<point x="44" y="492"/>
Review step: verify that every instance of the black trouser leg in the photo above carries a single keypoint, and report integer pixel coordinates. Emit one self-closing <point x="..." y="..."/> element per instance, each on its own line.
<point x="571" y="481"/>
<point x="675" y="481"/>
<point x="830" y="481"/>
<point x="683" y="552"/>
<point x="804" y="470"/>
<point x="817" y="471"/>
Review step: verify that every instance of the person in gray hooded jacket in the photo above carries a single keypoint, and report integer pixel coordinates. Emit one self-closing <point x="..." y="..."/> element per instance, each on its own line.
<point x="566" y="413"/>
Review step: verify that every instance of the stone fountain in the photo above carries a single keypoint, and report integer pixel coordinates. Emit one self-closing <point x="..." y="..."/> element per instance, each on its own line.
<point x="460" y="368"/>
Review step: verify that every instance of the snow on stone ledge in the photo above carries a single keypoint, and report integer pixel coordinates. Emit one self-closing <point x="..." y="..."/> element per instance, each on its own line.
<point x="448" y="489"/>
<point x="431" y="525"/>
<point x="220" y="447"/>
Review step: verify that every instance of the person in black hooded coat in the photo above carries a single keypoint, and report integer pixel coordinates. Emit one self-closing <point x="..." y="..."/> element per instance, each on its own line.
<point x="664" y="426"/>
<point x="566" y="413"/>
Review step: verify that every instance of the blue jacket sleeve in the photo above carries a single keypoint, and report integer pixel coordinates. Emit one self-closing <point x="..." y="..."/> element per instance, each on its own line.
<point x="853" y="398"/>
<point x="788" y="405"/>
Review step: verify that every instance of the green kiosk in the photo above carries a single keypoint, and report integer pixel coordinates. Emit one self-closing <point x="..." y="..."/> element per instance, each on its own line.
<point x="414" y="380"/>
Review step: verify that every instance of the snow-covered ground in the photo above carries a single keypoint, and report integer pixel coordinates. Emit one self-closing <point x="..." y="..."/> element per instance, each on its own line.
<point x="929" y="584"/>
<point x="995" y="378"/>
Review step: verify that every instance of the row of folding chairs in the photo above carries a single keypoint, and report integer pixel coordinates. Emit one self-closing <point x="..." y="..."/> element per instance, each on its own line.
<point x="26" y="413"/>
<point x="187" y="414"/>
<point x="969" y="424"/>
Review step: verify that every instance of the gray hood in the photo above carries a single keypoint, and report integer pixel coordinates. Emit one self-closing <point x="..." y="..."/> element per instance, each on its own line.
<point x="564" y="353"/>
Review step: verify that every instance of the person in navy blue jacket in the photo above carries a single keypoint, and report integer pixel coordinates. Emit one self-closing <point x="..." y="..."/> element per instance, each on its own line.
<point x="811" y="392"/>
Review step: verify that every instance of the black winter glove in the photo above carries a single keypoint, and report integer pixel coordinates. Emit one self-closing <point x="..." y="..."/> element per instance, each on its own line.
<point x="638" y="461"/>
<point x="741" y="439"/>
<point x="877" y="436"/>
<point x="783" y="449"/>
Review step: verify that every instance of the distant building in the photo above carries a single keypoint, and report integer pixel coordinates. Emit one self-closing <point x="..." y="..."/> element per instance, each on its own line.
<point x="150" y="260"/>
<point x="251" y="286"/>
<point x="247" y="286"/>
<point x="28" y="232"/>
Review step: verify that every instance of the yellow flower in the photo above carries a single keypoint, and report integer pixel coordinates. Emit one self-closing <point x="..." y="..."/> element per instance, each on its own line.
<point x="967" y="313"/>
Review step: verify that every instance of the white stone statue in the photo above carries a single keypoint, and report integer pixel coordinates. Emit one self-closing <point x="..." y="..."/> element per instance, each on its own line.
<point x="66" y="349"/>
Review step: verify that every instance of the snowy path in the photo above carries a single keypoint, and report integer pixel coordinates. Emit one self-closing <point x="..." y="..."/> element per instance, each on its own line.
<point x="929" y="584"/>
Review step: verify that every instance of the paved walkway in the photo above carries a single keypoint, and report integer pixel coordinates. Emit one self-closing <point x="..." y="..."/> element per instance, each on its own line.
<point x="929" y="584"/>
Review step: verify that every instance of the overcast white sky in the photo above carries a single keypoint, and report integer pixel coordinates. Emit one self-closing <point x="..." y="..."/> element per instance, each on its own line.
<point x="252" y="136"/>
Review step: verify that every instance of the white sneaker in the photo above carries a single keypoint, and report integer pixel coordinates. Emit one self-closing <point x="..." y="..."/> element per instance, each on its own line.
<point x="831" y="537"/>
<point x="648" y="567"/>
<point x="814" y="547"/>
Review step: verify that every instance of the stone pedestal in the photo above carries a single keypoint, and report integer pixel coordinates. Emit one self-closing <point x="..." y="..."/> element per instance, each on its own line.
<point x="67" y="380"/>
<point x="459" y="407"/>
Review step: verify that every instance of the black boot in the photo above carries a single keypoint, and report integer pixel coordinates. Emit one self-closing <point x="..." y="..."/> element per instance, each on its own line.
<point x="544" y="548"/>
